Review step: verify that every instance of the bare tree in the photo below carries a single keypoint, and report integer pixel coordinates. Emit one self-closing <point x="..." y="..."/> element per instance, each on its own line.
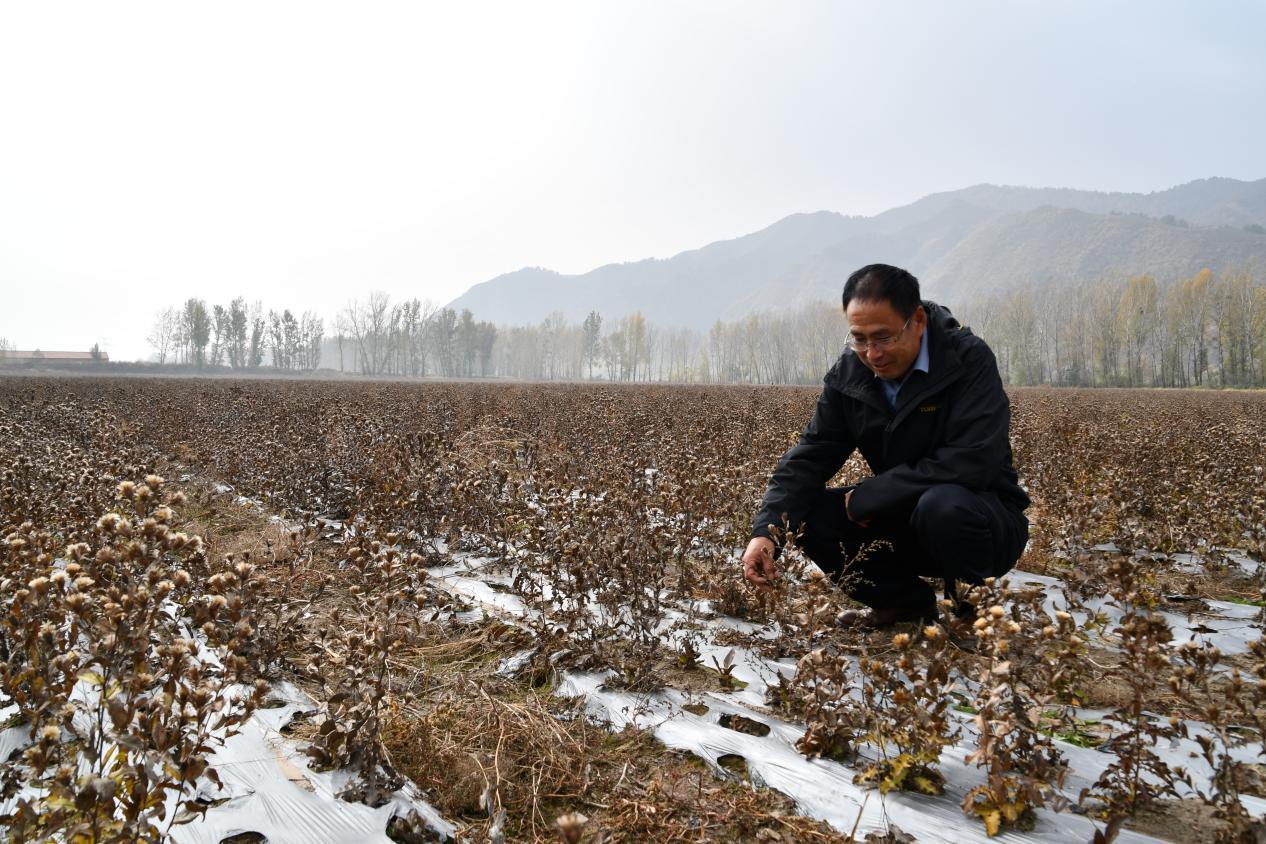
<point x="367" y="323"/>
<point x="238" y="341"/>
<point x="220" y="336"/>
<point x="196" y="323"/>
<point x="593" y="334"/>
<point x="162" y="336"/>
<point x="311" y="333"/>
<point x="255" y="353"/>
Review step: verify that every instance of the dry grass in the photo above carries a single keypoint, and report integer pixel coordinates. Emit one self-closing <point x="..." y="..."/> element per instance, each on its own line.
<point x="498" y="745"/>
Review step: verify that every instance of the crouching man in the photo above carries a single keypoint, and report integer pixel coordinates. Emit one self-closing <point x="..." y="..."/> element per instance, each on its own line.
<point x="920" y="396"/>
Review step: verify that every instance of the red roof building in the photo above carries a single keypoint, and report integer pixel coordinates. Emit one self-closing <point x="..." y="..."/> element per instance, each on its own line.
<point x="59" y="357"/>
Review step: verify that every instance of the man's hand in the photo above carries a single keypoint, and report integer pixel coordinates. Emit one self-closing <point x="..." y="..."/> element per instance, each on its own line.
<point x="848" y="497"/>
<point x="759" y="567"/>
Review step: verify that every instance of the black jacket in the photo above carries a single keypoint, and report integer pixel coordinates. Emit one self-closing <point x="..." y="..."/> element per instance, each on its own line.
<point x="950" y="426"/>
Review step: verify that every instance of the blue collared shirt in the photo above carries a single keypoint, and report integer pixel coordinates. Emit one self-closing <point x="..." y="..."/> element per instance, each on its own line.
<point x="892" y="388"/>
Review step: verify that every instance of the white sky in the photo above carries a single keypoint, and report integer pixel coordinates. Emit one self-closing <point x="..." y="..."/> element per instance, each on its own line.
<point x="303" y="153"/>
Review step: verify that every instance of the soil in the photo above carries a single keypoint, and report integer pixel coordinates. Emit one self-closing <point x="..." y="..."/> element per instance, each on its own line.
<point x="1183" y="822"/>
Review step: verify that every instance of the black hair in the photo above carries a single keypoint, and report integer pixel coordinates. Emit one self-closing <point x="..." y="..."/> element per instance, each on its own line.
<point x="883" y="282"/>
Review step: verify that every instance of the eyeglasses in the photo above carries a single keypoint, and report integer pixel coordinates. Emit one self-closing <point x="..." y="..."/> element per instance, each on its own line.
<point x="878" y="343"/>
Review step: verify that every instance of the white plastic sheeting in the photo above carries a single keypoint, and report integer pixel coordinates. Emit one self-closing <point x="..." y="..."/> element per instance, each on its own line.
<point x="824" y="789"/>
<point x="269" y="789"/>
<point x="1229" y="627"/>
<point x="821" y="788"/>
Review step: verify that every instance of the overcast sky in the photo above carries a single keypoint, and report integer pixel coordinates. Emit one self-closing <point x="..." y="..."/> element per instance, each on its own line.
<point x="303" y="153"/>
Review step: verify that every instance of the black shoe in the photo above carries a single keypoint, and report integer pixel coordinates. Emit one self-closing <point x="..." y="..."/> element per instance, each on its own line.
<point x="881" y="617"/>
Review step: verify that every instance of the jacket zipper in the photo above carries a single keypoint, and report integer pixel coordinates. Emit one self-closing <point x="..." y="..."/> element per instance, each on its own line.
<point x="927" y="391"/>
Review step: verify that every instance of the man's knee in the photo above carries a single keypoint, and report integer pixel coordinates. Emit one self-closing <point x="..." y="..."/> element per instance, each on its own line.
<point x="962" y="534"/>
<point x="945" y="510"/>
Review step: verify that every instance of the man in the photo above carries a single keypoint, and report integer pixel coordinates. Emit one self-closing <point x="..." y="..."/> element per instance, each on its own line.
<point x="919" y="395"/>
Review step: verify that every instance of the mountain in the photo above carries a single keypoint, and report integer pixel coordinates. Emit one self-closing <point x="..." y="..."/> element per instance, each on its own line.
<point x="1051" y="245"/>
<point x="682" y="290"/>
<point x="979" y="239"/>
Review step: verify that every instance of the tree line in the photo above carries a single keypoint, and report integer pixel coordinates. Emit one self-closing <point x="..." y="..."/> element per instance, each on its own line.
<point x="1205" y="330"/>
<point x="412" y="338"/>
<point x="376" y="337"/>
<point x="236" y="335"/>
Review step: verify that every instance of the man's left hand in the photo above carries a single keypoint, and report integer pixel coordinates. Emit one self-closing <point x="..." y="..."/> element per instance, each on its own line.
<point x="848" y="497"/>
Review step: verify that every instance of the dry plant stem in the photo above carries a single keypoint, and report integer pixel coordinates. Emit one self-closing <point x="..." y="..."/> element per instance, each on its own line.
<point x="1232" y="708"/>
<point x="1138" y="775"/>
<point x="1030" y="660"/>
<point x="359" y="686"/>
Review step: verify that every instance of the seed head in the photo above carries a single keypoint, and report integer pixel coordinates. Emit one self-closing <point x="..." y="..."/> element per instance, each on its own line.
<point x="571" y="826"/>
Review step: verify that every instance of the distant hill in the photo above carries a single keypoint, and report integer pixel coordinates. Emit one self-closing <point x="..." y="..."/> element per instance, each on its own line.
<point x="979" y="239"/>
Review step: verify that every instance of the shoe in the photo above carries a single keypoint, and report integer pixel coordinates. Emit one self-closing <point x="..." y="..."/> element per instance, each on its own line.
<point x="880" y="617"/>
<point x="960" y="607"/>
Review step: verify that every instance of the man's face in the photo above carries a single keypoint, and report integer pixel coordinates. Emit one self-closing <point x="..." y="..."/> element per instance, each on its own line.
<point x="876" y="319"/>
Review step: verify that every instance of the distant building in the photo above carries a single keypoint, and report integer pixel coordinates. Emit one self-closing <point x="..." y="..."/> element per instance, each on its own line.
<point x="34" y="358"/>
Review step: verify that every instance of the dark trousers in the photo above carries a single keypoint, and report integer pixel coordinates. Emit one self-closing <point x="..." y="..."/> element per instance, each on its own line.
<point x="951" y="532"/>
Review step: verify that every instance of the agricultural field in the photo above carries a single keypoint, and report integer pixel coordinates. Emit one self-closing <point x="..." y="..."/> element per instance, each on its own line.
<point x="238" y="611"/>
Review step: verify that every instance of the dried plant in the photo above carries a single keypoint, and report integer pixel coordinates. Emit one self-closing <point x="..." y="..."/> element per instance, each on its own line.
<point x="821" y="694"/>
<point x="1030" y="659"/>
<point x="354" y="666"/>
<point x="905" y="698"/>
<point x="122" y="704"/>
<point x="1231" y="710"/>
<point x="1138" y="775"/>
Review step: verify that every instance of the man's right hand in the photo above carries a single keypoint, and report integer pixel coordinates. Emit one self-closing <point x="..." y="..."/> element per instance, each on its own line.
<point x="759" y="567"/>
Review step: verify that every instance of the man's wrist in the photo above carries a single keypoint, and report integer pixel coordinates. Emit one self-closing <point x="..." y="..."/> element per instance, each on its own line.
<point x="772" y="546"/>
<point x="853" y="509"/>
